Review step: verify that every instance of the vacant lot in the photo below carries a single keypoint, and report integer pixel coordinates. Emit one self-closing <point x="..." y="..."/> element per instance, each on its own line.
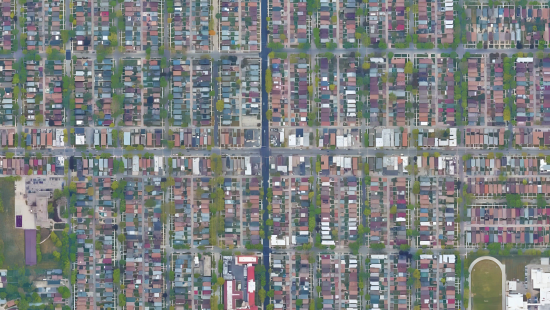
<point x="487" y="286"/>
<point x="515" y="266"/>
<point x="14" y="239"/>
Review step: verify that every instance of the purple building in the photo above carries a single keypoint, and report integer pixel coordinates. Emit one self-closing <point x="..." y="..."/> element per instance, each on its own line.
<point x="30" y="247"/>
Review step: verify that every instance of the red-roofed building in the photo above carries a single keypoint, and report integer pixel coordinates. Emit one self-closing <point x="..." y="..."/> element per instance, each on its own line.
<point x="251" y="288"/>
<point x="234" y="296"/>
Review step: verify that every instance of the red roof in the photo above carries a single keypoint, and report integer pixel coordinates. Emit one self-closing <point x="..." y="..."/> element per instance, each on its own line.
<point x="251" y="295"/>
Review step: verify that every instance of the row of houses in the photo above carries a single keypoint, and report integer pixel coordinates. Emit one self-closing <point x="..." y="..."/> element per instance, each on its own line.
<point x="33" y="25"/>
<point x="202" y="101"/>
<point x="133" y="247"/>
<point x="85" y="251"/>
<point x="180" y="27"/>
<point x="81" y="12"/>
<point x="426" y="22"/>
<point x="103" y="72"/>
<point x="84" y="103"/>
<point x="43" y="138"/>
<point x="446" y="105"/>
<point x="427" y="214"/>
<point x="300" y="100"/>
<point x="233" y="187"/>
<point x="8" y="115"/>
<point x="476" y="91"/>
<point x="132" y="79"/>
<point x="426" y="109"/>
<point x="147" y="138"/>
<point x="7" y="24"/>
<point x="32" y="103"/>
<point x="499" y="215"/>
<point x="54" y="11"/>
<point x="197" y="137"/>
<point x="181" y="222"/>
<point x="280" y="230"/>
<point x="399" y="295"/>
<point x="427" y="266"/>
<point x="530" y="236"/>
<point x="377" y="221"/>
<point x="492" y="137"/>
<point x="183" y="277"/>
<point x="103" y="21"/>
<point x="152" y="32"/>
<point x="399" y="197"/>
<point x="281" y="280"/>
<point x="327" y="91"/>
<point x="153" y="91"/>
<point x="503" y="164"/>
<point x="181" y="91"/>
<point x="329" y="267"/>
<point x="397" y="23"/>
<point x="350" y="292"/>
<point x="229" y="89"/>
<point x="32" y="166"/>
<point x="300" y="188"/>
<point x="278" y="10"/>
<point x="200" y="40"/>
<point x="348" y="80"/>
<point x="502" y="26"/>
<point x="488" y="187"/>
<point x="132" y="35"/>
<point x="377" y="94"/>
<point x="105" y="252"/>
<point x="153" y="244"/>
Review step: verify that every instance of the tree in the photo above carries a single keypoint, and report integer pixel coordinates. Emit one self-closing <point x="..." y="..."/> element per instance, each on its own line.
<point x="64" y="291"/>
<point x="506" y="114"/>
<point x="122" y="300"/>
<point x="39" y="118"/>
<point x="219" y="105"/>
<point x="409" y="67"/>
<point x="416" y="187"/>
<point x="393" y="210"/>
<point x="262" y="294"/>
<point x="116" y="276"/>
<point x="269" y="114"/>
<point x="114" y="185"/>
<point x="121" y="238"/>
<point x="528" y="295"/>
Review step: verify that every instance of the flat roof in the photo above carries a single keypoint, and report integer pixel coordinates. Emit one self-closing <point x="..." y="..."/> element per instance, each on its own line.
<point x="30" y="247"/>
<point x="247" y="259"/>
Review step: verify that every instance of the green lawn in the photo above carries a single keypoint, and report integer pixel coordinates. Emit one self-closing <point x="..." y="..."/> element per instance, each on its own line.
<point x="486" y="286"/>
<point x="14" y="239"/>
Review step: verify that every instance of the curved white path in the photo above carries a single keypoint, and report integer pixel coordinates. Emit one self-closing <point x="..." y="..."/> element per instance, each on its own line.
<point x="502" y="271"/>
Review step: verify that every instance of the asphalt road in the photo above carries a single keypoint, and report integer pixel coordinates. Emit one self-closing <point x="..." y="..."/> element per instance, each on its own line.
<point x="264" y="151"/>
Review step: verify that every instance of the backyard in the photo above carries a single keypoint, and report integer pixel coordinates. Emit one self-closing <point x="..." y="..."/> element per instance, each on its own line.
<point x="486" y="286"/>
<point x="14" y="239"/>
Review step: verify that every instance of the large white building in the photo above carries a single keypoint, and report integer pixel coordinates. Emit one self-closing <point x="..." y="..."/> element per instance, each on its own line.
<point x="541" y="281"/>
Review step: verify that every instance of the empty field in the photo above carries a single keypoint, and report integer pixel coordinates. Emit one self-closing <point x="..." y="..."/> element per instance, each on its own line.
<point x="14" y="239"/>
<point x="487" y="286"/>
